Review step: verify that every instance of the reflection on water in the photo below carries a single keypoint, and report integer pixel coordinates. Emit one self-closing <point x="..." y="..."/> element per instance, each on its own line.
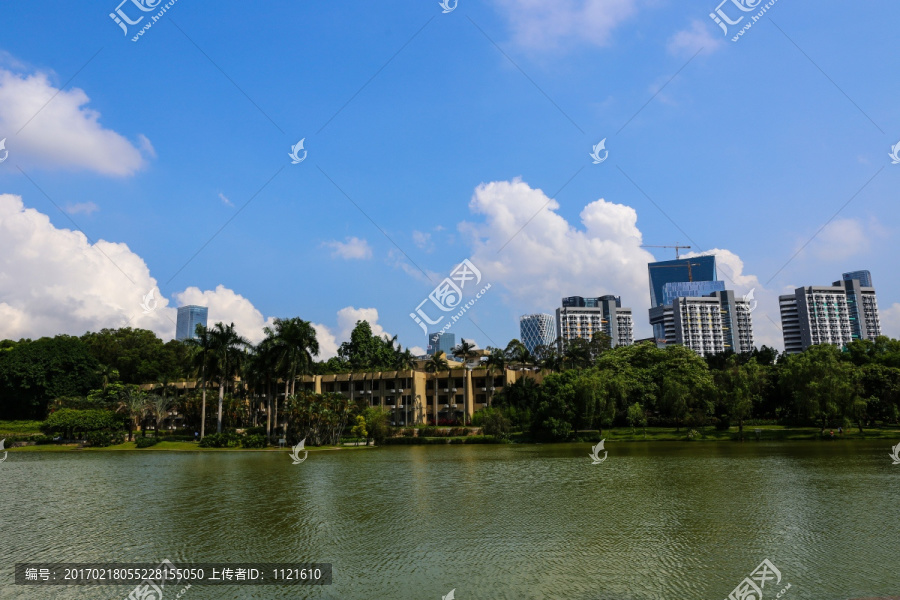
<point x="655" y="521"/>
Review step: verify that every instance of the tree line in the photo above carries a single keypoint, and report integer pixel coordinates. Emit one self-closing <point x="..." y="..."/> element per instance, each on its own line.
<point x="590" y="386"/>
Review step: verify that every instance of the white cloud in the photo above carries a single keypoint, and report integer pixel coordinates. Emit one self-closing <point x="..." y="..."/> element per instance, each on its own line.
<point x="330" y="338"/>
<point x="225" y="199"/>
<point x="890" y="321"/>
<point x="688" y="42"/>
<point x="353" y="249"/>
<point x="55" y="281"/>
<point x="422" y="240"/>
<point x="551" y="258"/>
<point x="227" y="306"/>
<point x="82" y="208"/>
<point x="539" y="24"/>
<point x="61" y="131"/>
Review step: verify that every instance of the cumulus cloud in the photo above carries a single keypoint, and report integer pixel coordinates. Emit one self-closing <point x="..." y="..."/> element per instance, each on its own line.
<point x="229" y="307"/>
<point x="688" y="42"/>
<point x="353" y="249"/>
<point x="422" y="240"/>
<point x="548" y="258"/>
<point x="330" y="338"/>
<point x="538" y="24"/>
<point x="61" y="132"/>
<point x="57" y="281"/>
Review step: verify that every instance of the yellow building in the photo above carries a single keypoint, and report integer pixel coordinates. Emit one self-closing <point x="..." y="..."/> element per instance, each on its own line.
<point x="414" y="397"/>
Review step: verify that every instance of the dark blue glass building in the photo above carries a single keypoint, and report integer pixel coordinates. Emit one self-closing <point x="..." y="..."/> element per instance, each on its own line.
<point x="702" y="268"/>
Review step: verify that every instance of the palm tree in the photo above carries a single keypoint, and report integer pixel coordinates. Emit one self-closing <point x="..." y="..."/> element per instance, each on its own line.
<point x="133" y="404"/>
<point x="227" y="352"/>
<point x="466" y="351"/>
<point x="159" y="407"/>
<point x="296" y="345"/>
<point x="436" y="364"/>
<point x="107" y="375"/>
<point x="404" y="360"/>
<point x="260" y="368"/>
<point x="203" y="345"/>
<point x="496" y="361"/>
<point x="517" y="353"/>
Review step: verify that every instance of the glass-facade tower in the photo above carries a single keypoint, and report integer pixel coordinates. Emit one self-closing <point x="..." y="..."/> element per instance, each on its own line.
<point x="188" y="318"/>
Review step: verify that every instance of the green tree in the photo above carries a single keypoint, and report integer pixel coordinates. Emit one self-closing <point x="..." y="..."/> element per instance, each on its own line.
<point x="359" y="430"/>
<point x="133" y="403"/>
<point x="227" y="354"/>
<point x="201" y="346"/>
<point x="637" y="417"/>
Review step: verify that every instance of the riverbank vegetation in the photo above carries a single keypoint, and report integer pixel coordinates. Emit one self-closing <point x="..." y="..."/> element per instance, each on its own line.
<point x="109" y="387"/>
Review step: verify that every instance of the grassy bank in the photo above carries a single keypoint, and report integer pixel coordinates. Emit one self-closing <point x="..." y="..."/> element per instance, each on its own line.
<point x="164" y="447"/>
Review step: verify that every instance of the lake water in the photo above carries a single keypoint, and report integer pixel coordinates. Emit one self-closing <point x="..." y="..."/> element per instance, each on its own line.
<point x="655" y="521"/>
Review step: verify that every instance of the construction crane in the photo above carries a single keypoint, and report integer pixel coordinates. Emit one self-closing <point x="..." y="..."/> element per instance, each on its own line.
<point x="688" y="264"/>
<point x="676" y="246"/>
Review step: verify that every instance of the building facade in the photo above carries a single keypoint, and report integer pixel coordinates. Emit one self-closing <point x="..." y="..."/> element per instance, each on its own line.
<point x="695" y="269"/>
<point x="414" y="397"/>
<point x="537" y="330"/>
<point x="835" y="314"/>
<point x="717" y="322"/>
<point x="583" y="317"/>
<point x="188" y="318"/>
<point x="865" y="277"/>
<point x="441" y="342"/>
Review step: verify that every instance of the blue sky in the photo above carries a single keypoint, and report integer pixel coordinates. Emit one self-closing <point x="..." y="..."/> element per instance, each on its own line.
<point x="449" y="132"/>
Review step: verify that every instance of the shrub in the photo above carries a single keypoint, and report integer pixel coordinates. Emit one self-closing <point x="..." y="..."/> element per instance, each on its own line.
<point x="70" y="422"/>
<point x="102" y="439"/>
<point x="693" y="434"/>
<point x="221" y="440"/>
<point x="254" y="441"/>
<point x="145" y="442"/>
<point x="255" y="431"/>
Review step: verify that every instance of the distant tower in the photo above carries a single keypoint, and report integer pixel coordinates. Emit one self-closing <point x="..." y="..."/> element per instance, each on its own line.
<point x="188" y="318"/>
<point x="537" y="330"/>
<point x="441" y="342"/>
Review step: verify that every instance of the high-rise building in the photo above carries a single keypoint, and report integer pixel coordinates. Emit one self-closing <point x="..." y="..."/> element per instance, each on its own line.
<point x="188" y="318"/>
<point x="865" y="277"/>
<point x="708" y="324"/>
<point x="835" y="314"/>
<point x="694" y="269"/>
<point x="537" y="330"/>
<point x="441" y="342"/>
<point x="582" y="317"/>
<point x="690" y="289"/>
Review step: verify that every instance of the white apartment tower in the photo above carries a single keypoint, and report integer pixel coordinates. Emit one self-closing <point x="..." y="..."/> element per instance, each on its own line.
<point x="583" y="317"/>
<point x="709" y="324"/>
<point x="835" y="314"/>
